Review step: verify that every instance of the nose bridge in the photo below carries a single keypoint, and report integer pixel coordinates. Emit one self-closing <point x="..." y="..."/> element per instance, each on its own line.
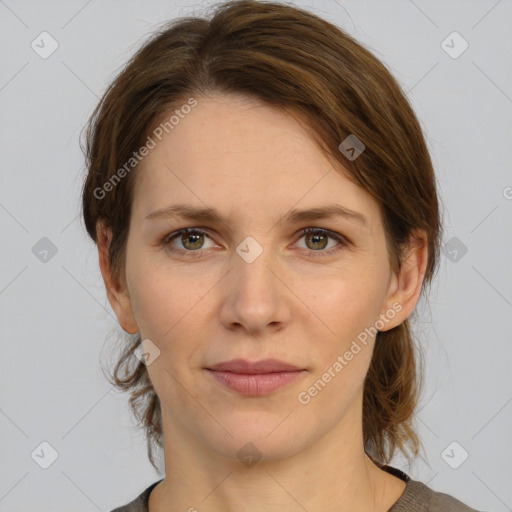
<point x="254" y="299"/>
<point x="251" y="272"/>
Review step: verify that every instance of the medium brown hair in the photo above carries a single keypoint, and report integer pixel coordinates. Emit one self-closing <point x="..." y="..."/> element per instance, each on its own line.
<point x="288" y="58"/>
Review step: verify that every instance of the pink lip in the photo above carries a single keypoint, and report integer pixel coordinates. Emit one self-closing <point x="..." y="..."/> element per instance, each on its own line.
<point x="258" y="367"/>
<point x="255" y="379"/>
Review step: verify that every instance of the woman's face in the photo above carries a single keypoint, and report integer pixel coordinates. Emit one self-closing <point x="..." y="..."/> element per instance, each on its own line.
<point x="251" y="285"/>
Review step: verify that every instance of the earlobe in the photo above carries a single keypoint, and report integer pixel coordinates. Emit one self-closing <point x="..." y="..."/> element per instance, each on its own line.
<point x="117" y="292"/>
<point x="405" y="288"/>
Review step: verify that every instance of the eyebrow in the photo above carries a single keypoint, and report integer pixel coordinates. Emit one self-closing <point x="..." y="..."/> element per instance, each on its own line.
<point x="206" y="214"/>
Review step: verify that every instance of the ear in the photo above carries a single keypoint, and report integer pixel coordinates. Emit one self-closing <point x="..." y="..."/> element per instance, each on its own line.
<point x="117" y="291"/>
<point x="405" y="288"/>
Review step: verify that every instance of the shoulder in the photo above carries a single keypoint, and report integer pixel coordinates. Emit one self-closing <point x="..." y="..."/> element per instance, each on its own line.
<point x="421" y="497"/>
<point x="418" y="497"/>
<point x="140" y="503"/>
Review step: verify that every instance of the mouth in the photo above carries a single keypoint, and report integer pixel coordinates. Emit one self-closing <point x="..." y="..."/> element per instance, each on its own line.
<point x="255" y="378"/>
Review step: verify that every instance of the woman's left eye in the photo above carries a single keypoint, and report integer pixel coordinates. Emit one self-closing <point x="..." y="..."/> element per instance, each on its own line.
<point x="316" y="240"/>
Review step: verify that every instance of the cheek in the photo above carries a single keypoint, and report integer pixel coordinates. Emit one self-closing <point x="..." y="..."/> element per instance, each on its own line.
<point x="350" y="301"/>
<point x="349" y="308"/>
<point x="167" y="302"/>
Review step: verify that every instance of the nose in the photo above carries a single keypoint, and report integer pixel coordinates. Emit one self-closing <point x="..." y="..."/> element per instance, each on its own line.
<point x="255" y="297"/>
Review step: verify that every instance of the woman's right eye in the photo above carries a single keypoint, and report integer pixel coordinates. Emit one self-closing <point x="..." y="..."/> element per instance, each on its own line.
<point x="191" y="240"/>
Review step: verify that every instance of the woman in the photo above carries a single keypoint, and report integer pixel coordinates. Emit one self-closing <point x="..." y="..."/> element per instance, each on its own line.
<point x="266" y="216"/>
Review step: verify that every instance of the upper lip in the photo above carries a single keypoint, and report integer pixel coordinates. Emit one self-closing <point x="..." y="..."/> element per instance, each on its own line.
<point x="257" y="367"/>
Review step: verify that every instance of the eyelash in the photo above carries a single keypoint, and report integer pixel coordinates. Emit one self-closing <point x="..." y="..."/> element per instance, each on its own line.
<point x="319" y="253"/>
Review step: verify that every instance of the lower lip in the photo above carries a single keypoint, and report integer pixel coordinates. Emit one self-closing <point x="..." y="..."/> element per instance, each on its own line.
<point x="256" y="385"/>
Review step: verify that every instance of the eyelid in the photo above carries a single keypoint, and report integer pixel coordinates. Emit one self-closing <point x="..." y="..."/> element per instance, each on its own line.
<point x="341" y="239"/>
<point x="168" y="239"/>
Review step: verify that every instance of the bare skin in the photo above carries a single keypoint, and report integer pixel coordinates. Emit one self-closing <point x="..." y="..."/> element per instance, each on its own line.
<point x="303" y="300"/>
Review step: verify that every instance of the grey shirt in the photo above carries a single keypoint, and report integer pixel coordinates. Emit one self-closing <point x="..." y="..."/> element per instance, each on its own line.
<point x="417" y="497"/>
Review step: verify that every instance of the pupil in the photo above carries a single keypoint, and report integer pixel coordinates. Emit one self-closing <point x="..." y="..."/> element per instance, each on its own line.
<point x="192" y="236"/>
<point x="315" y="238"/>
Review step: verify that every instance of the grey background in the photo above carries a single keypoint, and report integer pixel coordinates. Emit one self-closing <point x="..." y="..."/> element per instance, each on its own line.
<point x="56" y="321"/>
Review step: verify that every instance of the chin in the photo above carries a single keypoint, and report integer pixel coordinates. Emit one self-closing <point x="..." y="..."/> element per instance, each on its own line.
<point x="259" y="436"/>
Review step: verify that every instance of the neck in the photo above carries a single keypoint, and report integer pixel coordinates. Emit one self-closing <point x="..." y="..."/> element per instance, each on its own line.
<point x="329" y="474"/>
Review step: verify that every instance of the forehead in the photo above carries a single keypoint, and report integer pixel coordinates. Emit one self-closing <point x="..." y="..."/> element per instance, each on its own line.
<point x="239" y="154"/>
